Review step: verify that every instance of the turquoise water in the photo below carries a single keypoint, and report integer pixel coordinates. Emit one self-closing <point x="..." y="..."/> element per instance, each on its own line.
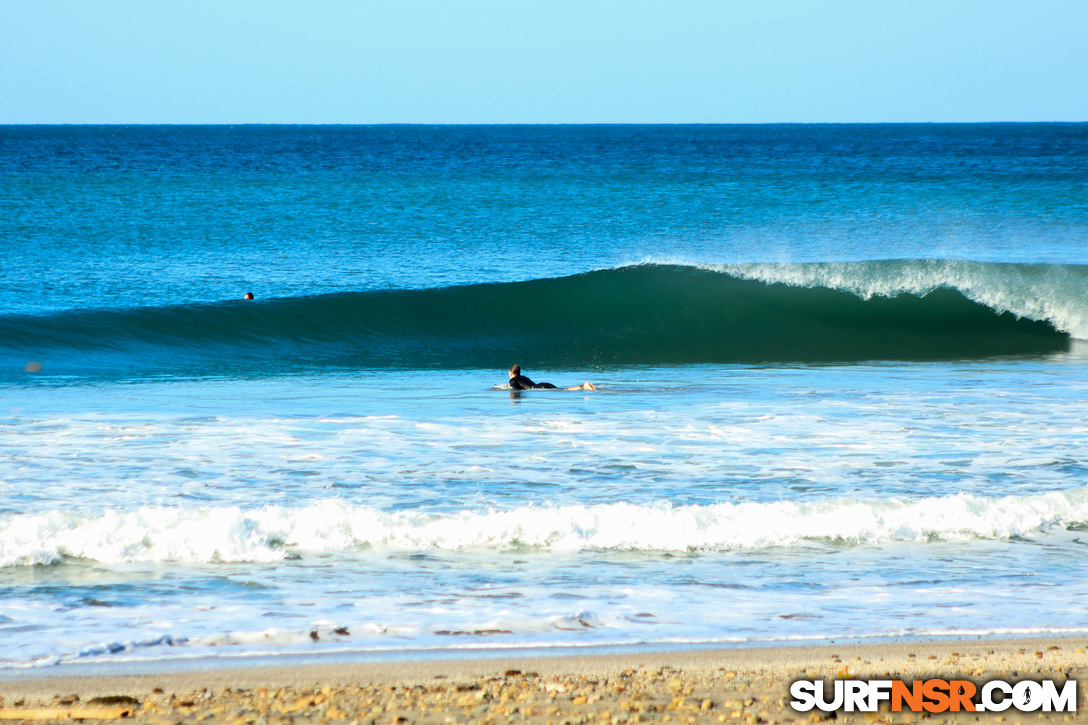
<point x="841" y="387"/>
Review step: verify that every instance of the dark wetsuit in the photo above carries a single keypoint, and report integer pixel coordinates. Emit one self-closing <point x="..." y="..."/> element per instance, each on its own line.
<point x="520" y="382"/>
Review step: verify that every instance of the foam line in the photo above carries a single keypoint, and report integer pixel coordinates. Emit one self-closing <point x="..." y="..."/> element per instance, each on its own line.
<point x="232" y="534"/>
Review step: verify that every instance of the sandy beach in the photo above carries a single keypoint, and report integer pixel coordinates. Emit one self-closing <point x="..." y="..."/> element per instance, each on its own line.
<point x="734" y="685"/>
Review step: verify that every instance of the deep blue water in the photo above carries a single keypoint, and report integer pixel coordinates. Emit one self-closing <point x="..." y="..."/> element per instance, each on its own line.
<point x="127" y="216"/>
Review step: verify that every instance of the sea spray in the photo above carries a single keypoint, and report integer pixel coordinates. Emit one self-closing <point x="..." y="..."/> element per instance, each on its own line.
<point x="1055" y="293"/>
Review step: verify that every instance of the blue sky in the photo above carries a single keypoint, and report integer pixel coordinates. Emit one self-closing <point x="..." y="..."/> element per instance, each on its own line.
<point x="470" y="61"/>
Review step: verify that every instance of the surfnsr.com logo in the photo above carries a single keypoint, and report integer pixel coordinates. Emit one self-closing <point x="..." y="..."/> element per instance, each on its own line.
<point x="934" y="695"/>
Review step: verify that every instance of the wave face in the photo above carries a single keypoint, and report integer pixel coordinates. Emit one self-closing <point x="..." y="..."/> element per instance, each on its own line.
<point x="641" y="314"/>
<point x="232" y="534"/>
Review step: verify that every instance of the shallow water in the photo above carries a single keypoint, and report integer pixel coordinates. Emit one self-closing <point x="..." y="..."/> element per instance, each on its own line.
<point x="699" y="504"/>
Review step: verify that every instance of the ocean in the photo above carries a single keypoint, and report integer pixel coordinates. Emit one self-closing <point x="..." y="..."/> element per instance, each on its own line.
<point x="841" y="370"/>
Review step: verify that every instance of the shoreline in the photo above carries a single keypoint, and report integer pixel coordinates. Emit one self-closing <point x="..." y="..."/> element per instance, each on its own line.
<point x="705" y="685"/>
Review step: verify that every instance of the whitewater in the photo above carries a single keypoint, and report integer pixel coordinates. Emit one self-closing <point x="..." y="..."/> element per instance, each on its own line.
<point x="273" y="533"/>
<point x="842" y="381"/>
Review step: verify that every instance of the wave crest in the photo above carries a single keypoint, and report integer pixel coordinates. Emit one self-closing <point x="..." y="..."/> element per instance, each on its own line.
<point x="1054" y="293"/>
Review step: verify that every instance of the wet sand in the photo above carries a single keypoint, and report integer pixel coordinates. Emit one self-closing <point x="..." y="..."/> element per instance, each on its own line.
<point x="733" y="685"/>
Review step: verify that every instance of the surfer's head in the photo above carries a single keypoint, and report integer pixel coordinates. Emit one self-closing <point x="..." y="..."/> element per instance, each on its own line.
<point x="515" y="370"/>
<point x="248" y="296"/>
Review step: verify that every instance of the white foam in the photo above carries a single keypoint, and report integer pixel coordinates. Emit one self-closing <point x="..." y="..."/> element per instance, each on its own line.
<point x="1054" y="293"/>
<point x="233" y="534"/>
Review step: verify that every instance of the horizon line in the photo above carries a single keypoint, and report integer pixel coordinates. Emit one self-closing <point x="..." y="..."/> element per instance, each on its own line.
<point x="546" y="123"/>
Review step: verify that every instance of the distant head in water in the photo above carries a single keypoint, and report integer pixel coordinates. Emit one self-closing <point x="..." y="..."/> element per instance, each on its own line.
<point x="515" y="370"/>
<point x="248" y="296"/>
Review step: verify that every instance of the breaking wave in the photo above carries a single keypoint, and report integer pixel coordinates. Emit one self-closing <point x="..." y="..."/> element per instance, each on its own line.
<point x="640" y="314"/>
<point x="231" y="534"/>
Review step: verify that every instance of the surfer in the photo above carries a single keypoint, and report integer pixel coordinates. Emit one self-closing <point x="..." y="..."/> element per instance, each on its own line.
<point x="248" y="296"/>
<point x="520" y="382"/>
